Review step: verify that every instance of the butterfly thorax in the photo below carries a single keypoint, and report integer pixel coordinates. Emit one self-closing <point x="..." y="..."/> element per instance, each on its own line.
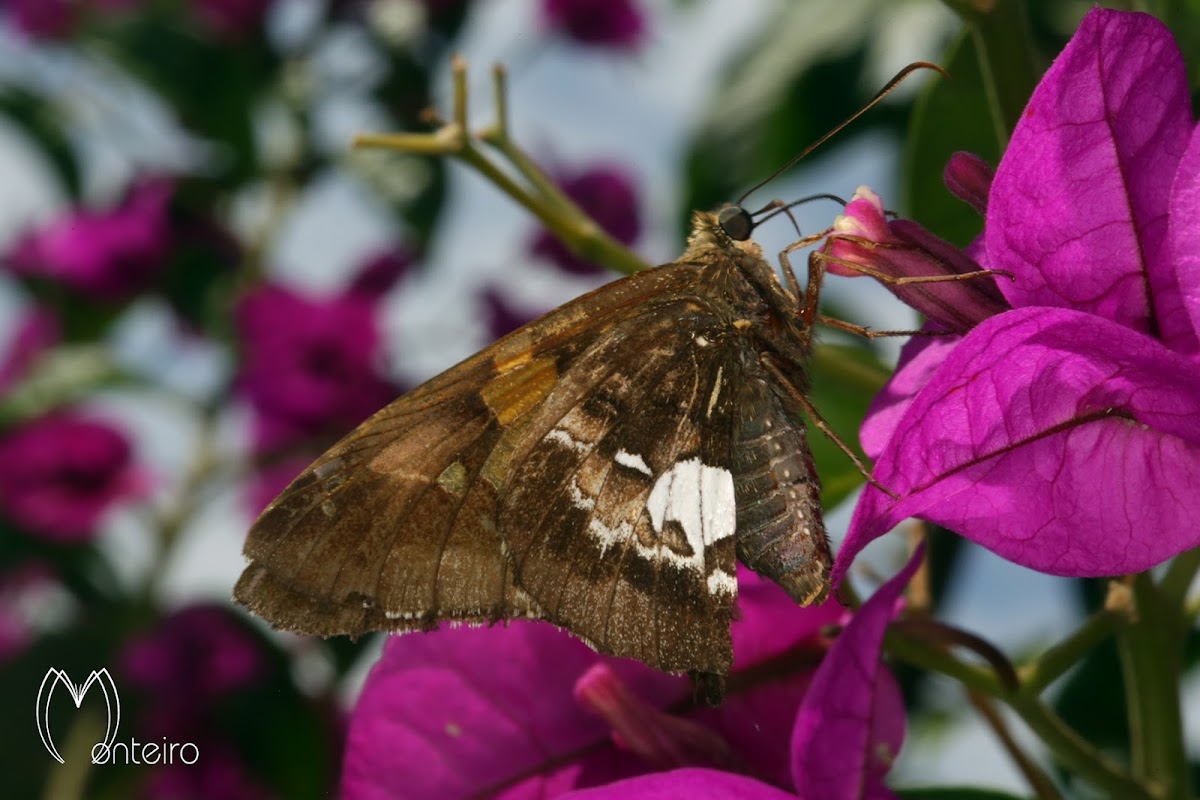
<point x="738" y="272"/>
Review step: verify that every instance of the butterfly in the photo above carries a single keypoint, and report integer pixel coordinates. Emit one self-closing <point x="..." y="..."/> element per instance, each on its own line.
<point x="603" y="468"/>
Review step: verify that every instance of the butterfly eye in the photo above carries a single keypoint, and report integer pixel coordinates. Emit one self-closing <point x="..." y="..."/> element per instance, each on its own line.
<point x="736" y="223"/>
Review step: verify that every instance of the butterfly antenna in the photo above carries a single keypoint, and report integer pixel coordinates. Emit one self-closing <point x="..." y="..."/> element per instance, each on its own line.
<point x="882" y="93"/>
<point x="777" y="207"/>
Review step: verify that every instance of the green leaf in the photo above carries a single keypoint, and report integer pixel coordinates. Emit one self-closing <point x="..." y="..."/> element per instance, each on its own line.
<point x="957" y="793"/>
<point x="950" y="115"/>
<point x="44" y="131"/>
<point x="1093" y="697"/>
<point x="214" y="87"/>
<point x="844" y="381"/>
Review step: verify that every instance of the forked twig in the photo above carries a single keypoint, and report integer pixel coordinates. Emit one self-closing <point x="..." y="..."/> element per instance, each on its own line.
<point x="529" y="186"/>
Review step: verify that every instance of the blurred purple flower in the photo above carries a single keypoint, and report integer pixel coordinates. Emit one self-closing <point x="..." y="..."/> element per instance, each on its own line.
<point x="847" y="734"/>
<point x="271" y="479"/>
<point x="55" y="19"/>
<point x="193" y="657"/>
<point x="106" y="255"/>
<point x="41" y="19"/>
<point x="502" y="316"/>
<point x="309" y="365"/>
<point x="219" y="772"/>
<point x="606" y="194"/>
<point x="379" y="273"/>
<point x="596" y="23"/>
<point x="232" y="19"/>
<point x="1065" y="434"/>
<point x="33" y="335"/>
<point x="60" y="473"/>
<point x="525" y="710"/>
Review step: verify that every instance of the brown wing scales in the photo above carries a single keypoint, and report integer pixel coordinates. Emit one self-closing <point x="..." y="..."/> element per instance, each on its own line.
<point x="396" y="521"/>
<point x="577" y="521"/>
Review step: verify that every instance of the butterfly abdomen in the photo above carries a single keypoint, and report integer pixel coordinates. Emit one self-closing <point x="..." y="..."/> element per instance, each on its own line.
<point x="780" y="529"/>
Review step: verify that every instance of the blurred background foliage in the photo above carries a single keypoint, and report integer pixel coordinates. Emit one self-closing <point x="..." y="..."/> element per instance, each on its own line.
<point x="163" y="376"/>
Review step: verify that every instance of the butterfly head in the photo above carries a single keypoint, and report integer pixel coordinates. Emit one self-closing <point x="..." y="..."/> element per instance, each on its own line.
<point x="726" y="230"/>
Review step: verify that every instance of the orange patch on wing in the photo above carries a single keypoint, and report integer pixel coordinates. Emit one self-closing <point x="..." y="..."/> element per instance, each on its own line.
<point x="520" y="388"/>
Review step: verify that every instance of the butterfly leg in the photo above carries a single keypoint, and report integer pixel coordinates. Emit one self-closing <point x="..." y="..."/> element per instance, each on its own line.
<point x="793" y="284"/>
<point x="862" y="330"/>
<point x="825" y="256"/>
<point x="821" y="424"/>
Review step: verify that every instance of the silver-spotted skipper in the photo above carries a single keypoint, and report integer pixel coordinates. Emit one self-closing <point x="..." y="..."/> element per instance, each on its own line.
<point x="603" y="468"/>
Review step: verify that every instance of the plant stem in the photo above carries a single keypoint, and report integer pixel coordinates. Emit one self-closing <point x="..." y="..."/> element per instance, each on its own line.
<point x="1051" y="665"/>
<point x="1039" y="781"/>
<point x="1006" y="59"/>
<point x="69" y="780"/>
<point x="1179" y="576"/>
<point x="1074" y="752"/>
<point x="1067" y="746"/>
<point x="539" y="195"/>
<point x="1150" y="650"/>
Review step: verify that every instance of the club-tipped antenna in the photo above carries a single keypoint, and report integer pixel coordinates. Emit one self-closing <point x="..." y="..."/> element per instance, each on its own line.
<point x="882" y="93"/>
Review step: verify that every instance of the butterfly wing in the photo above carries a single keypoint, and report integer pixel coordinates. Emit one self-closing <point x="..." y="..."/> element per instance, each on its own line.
<point x="620" y="515"/>
<point x="629" y="508"/>
<point x="394" y="527"/>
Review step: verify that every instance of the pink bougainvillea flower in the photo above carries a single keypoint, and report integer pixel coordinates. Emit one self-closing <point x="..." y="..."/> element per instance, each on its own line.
<point x="607" y="195"/>
<point x="596" y="23"/>
<point x="851" y="724"/>
<point x="900" y="248"/>
<point x="847" y="734"/>
<point x="1065" y="434"/>
<point x="526" y="710"/>
<point x="310" y="365"/>
<point x="107" y="255"/>
<point x="60" y="473"/>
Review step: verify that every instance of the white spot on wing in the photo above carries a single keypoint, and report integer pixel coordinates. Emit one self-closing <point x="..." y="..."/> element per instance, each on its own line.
<point x="579" y="499"/>
<point x="721" y="582"/>
<point x="567" y="440"/>
<point x="712" y="400"/>
<point x="328" y="468"/>
<point x="700" y="498"/>
<point x="633" y="461"/>
<point x="608" y="536"/>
